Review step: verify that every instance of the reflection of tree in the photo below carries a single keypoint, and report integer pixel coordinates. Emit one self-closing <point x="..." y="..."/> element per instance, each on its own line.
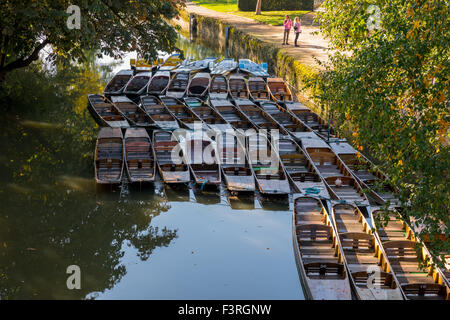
<point x="43" y="232"/>
<point x="50" y="214"/>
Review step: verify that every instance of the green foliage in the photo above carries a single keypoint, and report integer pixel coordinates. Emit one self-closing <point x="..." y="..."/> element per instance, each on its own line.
<point x="111" y="26"/>
<point x="274" y="5"/>
<point x="392" y="84"/>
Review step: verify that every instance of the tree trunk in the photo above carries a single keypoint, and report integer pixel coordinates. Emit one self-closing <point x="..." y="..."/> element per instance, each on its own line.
<point x="258" y="7"/>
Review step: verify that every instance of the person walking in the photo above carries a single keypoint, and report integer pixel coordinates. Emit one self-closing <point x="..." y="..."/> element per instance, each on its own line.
<point x="287" y="28"/>
<point x="297" y="29"/>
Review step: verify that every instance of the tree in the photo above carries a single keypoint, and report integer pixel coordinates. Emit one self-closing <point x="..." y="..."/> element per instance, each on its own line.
<point x="391" y="86"/>
<point x="258" y="7"/>
<point x="112" y="27"/>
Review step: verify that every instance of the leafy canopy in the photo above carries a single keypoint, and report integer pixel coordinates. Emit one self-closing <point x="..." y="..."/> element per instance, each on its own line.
<point x="392" y="84"/>
<point x="110" y="26"/>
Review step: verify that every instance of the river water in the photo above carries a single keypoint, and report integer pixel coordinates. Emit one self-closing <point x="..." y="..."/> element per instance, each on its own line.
<point x="129" y="243"/>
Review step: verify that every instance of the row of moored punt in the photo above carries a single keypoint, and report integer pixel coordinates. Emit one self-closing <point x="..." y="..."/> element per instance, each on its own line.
<point x="337" y="252"/>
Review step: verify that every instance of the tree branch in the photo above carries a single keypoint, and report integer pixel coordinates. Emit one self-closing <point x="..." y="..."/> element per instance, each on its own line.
<point x="23" y="62"/>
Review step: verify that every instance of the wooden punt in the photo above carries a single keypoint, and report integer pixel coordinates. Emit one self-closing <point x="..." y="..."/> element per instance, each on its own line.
<point x="159" y="83"/>
<point x="138" y="84"/>
<point x="300" y="171"/>
<point x="258" y="89"/>
<point x="232" y="115"/>
<point x="218" y="88"/>
<point x="159" y="113"/>
<point x="363" y="256"/>
<point x="208" y="114"/>
<point x="341" y="185"/>
<point x="139" y="156"/>
<point x="311" y="119"/>
<point x="252" y="68"/>
<point x="132" y="112"/>
<point x="172" y="170"/>
<point x="185" y="116"/>
<point x="197" y="66"/>
<point x="368" y="176"/>
<point x="285" y="119"/>
<point x="317" y="254"/>
<point x="237" y="87"/>
<point x="279" y="91"/>
<point x="238" y="176"/>
<point x="116" y="85"/>
<point x="178" y="85"/>
<point x="399" y="247"/>
<point x="202" y="157"/>
<point x="105" y="113"/>
<point x="224" y="67"/>
<point x="199" y="85"/>
<point x="259" y="118"/>
<point x="109" y="160"/>
<point x="268" y="172"/>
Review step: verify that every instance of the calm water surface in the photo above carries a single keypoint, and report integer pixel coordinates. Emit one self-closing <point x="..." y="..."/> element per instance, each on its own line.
<point x="130" y="243"/>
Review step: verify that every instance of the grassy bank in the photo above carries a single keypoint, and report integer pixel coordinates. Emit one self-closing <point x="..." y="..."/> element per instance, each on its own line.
<point x="274" y="18"/>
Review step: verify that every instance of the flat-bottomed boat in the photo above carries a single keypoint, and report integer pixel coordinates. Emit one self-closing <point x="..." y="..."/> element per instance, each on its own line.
<point x="159" y="114"/>
<point x="139" y="156"/>
<point x="105" y="112"/>
<point x="109" y="159"/>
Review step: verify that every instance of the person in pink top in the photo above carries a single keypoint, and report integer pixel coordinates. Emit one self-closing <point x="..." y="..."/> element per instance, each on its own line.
<point x="287" y="28"/>
<point x="297" y="29"/>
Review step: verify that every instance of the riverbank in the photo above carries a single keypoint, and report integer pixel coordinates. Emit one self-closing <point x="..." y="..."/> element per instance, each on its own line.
<point x="240" y="37"/>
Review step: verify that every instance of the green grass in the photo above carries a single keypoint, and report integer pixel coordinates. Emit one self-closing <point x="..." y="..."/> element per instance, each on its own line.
<point x="274" y="18"/>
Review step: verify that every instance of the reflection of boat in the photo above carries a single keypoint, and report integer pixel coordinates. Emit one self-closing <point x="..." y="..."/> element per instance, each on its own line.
<point x="252" y="68"/>
<point x="109" y="156"/>
<point x="201" y="155"/>
<point x="134" y="114"/>
<point x="225" y="66"/>
<point x="159" y="113"/>
<point x="368" y="176"/>
<point x="279" y="91"/>
<point x="400" y="248"/>
<point x="237" y="87"/>
<point x="286" y="120"/>
<point x="311" y="119"/>
<point x="362" y="256"/>
<point x="259" y="117"/>
<point x="317" y="254"/>
<point x="138" y="84"/>
<point x="118" y="82"/>
<point x="178" y="85"/>
<point x="300" y="171"/>
<point x="231" y="114"/>
<point x="207" y="197"/>
<point x="258" y="89"/>
<point x="169" y="156"/>
<point x="179" y="193"/>
<point x="241" y="203"/>
<point x="139" y="156"/>
<point x="340" y="183"/>
<point x="199" y="85"/>
<point x="209" y="115"/>
<point x="185" y="116"/>
<point x="266" y="167"/>
<point x="159" y="83"/>
<point x="105" y="113"/>
<point x="218" y="88"/>
<point x="238" y="176"/>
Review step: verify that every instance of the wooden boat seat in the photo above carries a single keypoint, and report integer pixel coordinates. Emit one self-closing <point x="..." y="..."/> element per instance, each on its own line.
<point x="314" y="232"/>
<point x="357" y="240"/>
<point x="421" y="291"/>
<point x="383" y="280"/>
<point x="324" y="270"/>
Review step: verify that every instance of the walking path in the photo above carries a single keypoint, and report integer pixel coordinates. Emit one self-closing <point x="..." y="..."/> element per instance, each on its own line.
<point x="310" y="45"/>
